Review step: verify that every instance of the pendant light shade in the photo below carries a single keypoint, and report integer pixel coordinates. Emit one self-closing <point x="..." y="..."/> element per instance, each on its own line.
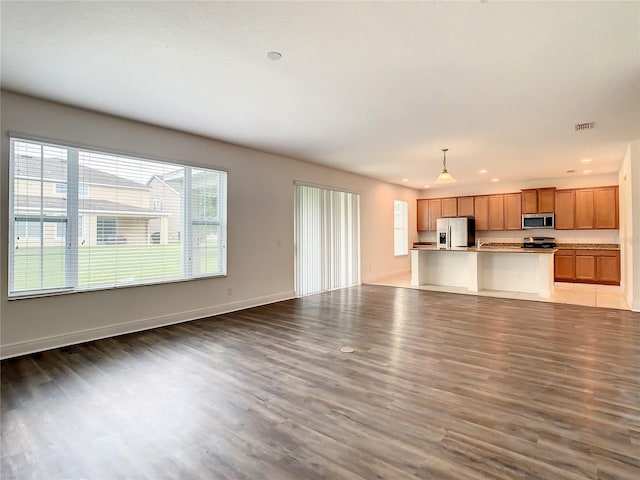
<point x="445" y="176"/>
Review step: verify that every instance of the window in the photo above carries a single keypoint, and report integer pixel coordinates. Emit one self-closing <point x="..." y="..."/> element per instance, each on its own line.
<point x="61" y="229"/>
<point x="28" y="230"/>
<point x="106" y="230"/>
<point x="400" y="228"/>
<point x="327" y="229"/>
<point x="144" y="222"/>
<point x="61" y="189"/>
<point x="157" y="204"/>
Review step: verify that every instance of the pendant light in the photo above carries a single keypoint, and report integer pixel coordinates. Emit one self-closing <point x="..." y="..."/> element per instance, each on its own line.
<point x="445" y="176"/>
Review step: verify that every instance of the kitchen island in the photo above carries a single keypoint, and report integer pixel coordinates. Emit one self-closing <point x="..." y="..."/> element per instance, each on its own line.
<point x="521" y="270"/>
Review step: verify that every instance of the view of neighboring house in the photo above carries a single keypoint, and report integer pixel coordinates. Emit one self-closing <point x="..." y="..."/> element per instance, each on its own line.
<point x="112" y="209"/>
<point x="166" y="199"/>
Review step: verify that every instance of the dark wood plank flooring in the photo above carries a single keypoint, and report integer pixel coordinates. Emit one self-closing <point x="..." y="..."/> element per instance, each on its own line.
<point x="440" y="386"/>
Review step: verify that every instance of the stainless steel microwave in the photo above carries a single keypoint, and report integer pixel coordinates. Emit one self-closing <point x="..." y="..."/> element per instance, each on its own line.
<point x="538" y="220"/>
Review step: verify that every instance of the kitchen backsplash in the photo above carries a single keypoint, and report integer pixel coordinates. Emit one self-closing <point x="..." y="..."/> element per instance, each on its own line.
<point x="561" y="236"/>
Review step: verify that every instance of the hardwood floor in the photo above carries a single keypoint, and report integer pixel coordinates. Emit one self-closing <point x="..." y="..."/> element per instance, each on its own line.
<point x="440" y="386"/>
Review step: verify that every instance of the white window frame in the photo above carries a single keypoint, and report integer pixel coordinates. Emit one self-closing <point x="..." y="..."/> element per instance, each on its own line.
<point x="74" y="234"/>
<point x="400" y="228"/>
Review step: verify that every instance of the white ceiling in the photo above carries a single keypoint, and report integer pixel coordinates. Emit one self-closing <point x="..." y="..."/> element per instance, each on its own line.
<point x="373" y="88"/>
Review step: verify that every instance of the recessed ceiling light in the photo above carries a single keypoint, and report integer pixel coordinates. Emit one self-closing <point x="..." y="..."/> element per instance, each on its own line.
<point x="586" y="172"/>
<point x="427" y="186"/>
<point x="274" y="55"/>
<point x="482" y="172"/>
<point x="586" y="160"/>
<point x="495" y="179"/>
<point x="405" y="179"/>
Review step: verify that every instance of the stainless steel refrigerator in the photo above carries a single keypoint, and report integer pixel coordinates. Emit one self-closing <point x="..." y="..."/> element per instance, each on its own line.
<point x="456" y="232"/>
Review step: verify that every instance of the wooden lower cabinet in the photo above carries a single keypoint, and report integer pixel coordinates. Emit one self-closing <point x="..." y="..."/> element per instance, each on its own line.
<point x="565" y="266"/>
<point x="587" y="266"/>
<point x="608" y="268"/>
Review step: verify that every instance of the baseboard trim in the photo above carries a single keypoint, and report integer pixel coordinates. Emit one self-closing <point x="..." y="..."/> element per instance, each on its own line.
<point x="57" y="341"/>
<point x="635" y="306"/>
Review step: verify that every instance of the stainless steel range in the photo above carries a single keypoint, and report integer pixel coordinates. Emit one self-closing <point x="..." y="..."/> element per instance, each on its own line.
<point x="539" y="242"/>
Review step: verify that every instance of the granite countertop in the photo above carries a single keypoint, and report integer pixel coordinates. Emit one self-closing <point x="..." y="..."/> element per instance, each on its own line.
<point x="517" y="247"/>
<point x="589" y="246"/>
<point x="489" y="249"/>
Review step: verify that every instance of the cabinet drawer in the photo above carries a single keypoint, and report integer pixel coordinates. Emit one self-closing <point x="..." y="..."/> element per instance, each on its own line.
<point x="598" y="253"/>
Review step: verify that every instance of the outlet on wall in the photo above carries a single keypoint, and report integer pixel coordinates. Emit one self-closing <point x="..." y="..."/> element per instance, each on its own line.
<point x="229" y="291"/>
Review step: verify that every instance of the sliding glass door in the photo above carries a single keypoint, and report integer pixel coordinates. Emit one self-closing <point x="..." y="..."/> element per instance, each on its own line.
<point x="327" y="236"/>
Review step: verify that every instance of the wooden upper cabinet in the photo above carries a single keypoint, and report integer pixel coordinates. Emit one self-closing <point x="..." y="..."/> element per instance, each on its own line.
<point x="538" y="200"/>
<point x="465" y="207"/>
<point x="584" y="208"/>
<point x="565" y="209"/>
<point x="605" y="202"/>
<point x="581" y="209"/>
<point x="496" y="212"/>
<point x="450" y="207"/>
<point x="529" y="201"/>
<point x="481" y="208"/>
<point x="423" y="215"/>
<point x="512" y="211"/>
<point x="435" y="212"/>
<point x="546" y="200"/>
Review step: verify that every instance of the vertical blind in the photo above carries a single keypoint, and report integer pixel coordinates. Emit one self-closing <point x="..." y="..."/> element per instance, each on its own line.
<point x="327" y="236"/>
<point x="400" y="228"/>
<point x="84" y="220"/>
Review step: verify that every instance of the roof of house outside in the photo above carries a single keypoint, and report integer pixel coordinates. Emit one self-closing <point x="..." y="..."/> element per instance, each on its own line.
<point x="58" y="203"/>
<point x="55" y="170"/>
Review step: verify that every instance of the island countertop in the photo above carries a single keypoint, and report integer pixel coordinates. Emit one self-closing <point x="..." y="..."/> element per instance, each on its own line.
<point x="485" y="268"/>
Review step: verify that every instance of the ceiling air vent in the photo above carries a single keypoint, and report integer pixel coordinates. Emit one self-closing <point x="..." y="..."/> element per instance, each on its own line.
<point x="584" y="126"/>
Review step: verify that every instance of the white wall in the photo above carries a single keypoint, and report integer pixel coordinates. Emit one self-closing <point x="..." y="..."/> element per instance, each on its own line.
<point x="574" y="181"/>
<point x="629" y="181"/>
<point x="260" y="231"/>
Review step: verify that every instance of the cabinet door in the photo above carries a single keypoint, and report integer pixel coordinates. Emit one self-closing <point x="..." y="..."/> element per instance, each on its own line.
<point x="605" y="201"/>
<point x="546" y="200"/>
<point x="529" y="201"/>
<point x="564" y="265"/>
<point x="584" y="208"/>
<point x="481" y="207"/>
<point x="496" y="212"/>
<point x="512" y="211"/>
<point x="449" y="207"/>
<point x="465" y="206"/>
<point x="435" y="212"/>
<point x="585" y="267"/>
<point x="423" y="215"/>
<point x="565" y="210"/>
<point x="608" y="267"/>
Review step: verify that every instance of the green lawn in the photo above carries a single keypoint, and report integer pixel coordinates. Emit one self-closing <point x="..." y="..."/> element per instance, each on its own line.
<point x="106" y="264"/>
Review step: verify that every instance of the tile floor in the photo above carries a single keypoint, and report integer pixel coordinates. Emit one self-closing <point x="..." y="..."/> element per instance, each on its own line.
<point x="606" y="296"/>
